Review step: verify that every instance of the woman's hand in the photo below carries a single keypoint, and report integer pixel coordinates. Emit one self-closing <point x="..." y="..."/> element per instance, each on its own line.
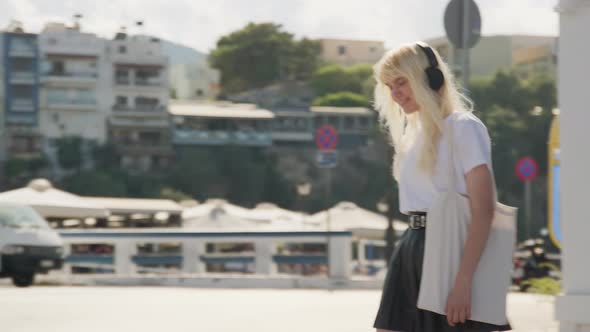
<point x="458" y="308"/>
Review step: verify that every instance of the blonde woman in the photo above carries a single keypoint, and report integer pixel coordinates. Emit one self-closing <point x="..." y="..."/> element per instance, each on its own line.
<point x="418" y="101"/>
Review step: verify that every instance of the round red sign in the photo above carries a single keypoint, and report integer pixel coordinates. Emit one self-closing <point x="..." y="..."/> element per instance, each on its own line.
<point x="527" y="169"/>
<point x="326" y="137"/>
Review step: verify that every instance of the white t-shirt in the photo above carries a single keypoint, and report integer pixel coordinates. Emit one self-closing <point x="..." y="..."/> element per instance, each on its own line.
<point x="472" y="148"/>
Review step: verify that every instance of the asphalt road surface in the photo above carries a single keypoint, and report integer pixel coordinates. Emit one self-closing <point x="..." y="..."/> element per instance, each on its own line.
<point x="159" y="309"/>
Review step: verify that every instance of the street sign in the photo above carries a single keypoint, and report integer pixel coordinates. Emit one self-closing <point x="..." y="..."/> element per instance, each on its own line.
<point x="527" y="169"/>
<point x="327" y="158"/>
<point x="454" y="18"/>
<point x="326" y="138"/>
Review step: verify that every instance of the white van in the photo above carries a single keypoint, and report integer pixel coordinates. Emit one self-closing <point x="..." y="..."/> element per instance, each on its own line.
<point x="27" y="244"/>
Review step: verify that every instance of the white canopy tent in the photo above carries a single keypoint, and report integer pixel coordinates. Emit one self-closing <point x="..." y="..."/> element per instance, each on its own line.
<point x="220" y="213"/>
<point x="136" y="205"/>
<point x="348" y="216"/>
<point x="50" y="202"/>
<point x="204" y="210"/>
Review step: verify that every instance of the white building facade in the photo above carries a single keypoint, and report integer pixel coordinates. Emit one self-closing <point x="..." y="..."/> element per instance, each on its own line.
<point x="194" y="81"/>
<point x="75" y="96"/>
<point x="138" y="122"/>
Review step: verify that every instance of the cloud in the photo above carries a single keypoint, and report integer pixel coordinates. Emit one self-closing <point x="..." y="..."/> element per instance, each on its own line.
<point x="200" y="23"/>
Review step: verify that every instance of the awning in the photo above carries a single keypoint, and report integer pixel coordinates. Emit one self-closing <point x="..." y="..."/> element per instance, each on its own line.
<point x="50" y="202"/>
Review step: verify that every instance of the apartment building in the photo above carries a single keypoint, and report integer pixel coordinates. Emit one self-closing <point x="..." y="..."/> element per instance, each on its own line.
<point x="351" y="52"/>
<point x="528" y="55"/>
<point x="19" y="92"/>
<point x="76" y="84"/>
<point x="139" y="125"/>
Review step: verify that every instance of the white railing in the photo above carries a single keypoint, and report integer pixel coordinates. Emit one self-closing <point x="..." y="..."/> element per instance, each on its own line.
<point x="125" y="260"/>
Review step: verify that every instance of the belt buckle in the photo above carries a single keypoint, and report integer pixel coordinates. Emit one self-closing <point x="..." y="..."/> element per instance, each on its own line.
<point x="417" y="221"/>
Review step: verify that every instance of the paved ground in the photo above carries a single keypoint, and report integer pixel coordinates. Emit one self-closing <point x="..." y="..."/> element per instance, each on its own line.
<point x="159" y="309"/>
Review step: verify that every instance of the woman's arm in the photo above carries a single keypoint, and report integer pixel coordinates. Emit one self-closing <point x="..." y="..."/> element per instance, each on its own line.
<point x="479" y="189"/>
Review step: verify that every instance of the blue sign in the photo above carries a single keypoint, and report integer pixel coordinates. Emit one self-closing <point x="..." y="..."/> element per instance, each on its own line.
<point x="555" y="213"/>
<point x="327" y="159"/>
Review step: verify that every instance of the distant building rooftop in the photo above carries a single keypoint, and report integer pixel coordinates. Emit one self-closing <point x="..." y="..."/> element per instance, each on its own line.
<point x="341" y="110"/>
<point x="219" y="110"/>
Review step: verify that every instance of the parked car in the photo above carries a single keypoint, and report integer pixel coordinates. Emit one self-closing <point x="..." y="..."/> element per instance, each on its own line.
<point x="28" y="245"/>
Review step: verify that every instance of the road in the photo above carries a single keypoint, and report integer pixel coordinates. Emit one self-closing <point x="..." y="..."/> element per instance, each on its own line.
<point x="158" y="309"/>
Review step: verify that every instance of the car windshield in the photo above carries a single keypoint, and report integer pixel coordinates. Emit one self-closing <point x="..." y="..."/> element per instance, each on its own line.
<point x="15" y="216"/>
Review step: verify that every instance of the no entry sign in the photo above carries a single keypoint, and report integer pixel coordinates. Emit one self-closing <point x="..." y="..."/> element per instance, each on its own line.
<point x="326" y="138"/>
<point x="527" y="169"/>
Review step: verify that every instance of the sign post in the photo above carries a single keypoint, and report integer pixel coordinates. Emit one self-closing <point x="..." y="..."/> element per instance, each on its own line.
<point x="463" y="27"/>
<point x="527" y="170"/>
<point x="326" y="139"/>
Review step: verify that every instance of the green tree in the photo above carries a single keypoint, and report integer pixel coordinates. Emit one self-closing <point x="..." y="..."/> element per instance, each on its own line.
<point x="195" y="173"/>
<point x="106" y="158"/>
<point x="18" y="171"/>
<point x="507" y="104"/>
<point x="342" y="99"/>
<point x="175" y="195"/>
<point x="303" y="59"/>
<point x="336" y="78"/>
<point x="68" y="151"/>
<point x="96" y="183"/>
<point x="262" y="53"/>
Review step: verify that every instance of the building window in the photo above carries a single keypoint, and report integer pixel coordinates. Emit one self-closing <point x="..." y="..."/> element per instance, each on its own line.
<point x="349" y="122"/>
<point x="147" y="77"/>
<point x="121" y="101"/>
<point x="199" y="93"/>
<point x="372" y="49"/>
<point x="57" y="67"/>
<point x="301" y="124"/>
<point x="56" y="95"/>
<point x="364" y="123"/>
<point x="150" y="138"/>
<point x="341" y="50"/>
<point x="146" y="104"/>
<point x="122" y="49"/>
<point x="22" y="65"/>
<point x="52" y="41"/>
<point x="23" y="92"/>
<point x="122" y="76"/>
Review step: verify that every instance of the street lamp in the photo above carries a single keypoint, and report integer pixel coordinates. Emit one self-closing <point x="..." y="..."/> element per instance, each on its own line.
<point x="383" y="207"/>
<point x="303" y="190"/>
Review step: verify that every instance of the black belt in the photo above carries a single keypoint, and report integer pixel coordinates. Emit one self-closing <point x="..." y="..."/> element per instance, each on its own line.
<point x="416" y="219"/>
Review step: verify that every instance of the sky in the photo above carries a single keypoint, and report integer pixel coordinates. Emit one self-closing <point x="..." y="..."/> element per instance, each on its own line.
<point x="199" y="23"/>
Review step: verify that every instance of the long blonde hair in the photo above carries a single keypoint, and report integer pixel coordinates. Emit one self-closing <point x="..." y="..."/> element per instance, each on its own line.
<point x="409" y="61"/>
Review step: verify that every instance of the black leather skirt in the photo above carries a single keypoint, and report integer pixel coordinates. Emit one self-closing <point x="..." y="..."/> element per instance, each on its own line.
<point x="398" y="309"/>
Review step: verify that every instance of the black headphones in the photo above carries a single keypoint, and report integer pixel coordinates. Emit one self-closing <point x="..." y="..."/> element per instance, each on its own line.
<point x="436" y="79"/>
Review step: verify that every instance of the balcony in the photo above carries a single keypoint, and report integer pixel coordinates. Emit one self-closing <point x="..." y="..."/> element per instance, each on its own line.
<point x="22" y="51"/>
<point x="143" y="148"/>
<point x="138" y="122"/>
<point x="69" y="77"/>
<point x="122" y="80"/>
<point x="139" y="111"/>
<point x="221" y="137"/>
<point x="22" y="77"/>
<point x="22" y="105"/>
<point x="148" y="82"/>
<point x="71" y="104"/>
